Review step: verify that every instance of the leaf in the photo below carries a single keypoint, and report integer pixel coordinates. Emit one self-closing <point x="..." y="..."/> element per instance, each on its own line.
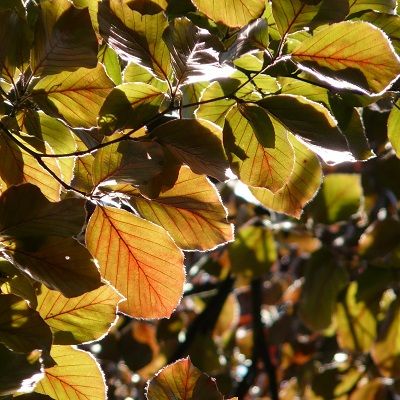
<point x="253" y="252"/>
<point x="306" y="118"/>
<point x="18" y="372"/>
<point x="25" y="212"/>
<point x="191" y="94"/>
<point x="17" y="167"/>
<point x="55" y="133"/>
<point x="83" y="170"/>
<point x="139" y="259"/>
<point x="385" y="352"/>
<point x="137" y="73"/>
<point x="75" y="96"/>
<point x="233" y="13"/>
<point x="136" y="37"/>
<point x="258" y="148"/>
<point x="394" y="128"/>
<point x="109" y="58"/>
<point x="194" y="52"/>
<point x="324" y="279"/>
<point x="342" y="54"/>
<point x="77" y="375"/>
<point x="387" y="6"/>
<point x="57" y="47"/>
<point x="340" y="197"/>
<point x="22" y="329"/>
<point x="129" y="105"/>
<point x="373" y="390"/>
<point x="127" y="161"/>
<point x="301" y="187"/>
<point x="195" y="142"/>
<point x="293" y="15"/>
<point x="80" y="319"/>
<point x="191" y="212"/>
<point x="182" y="380"/>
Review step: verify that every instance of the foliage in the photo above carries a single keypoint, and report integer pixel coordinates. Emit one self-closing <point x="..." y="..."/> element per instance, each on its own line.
<point x="213" y="179"/>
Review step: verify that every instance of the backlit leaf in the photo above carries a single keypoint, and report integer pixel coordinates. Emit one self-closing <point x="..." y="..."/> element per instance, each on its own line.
<point x="260" y="153"/>
<point x="128" y="106"/>
<point x="197" y="143"/>
<point x="324" y="279"/>
<point x="80" y="319"/>
<point x="58" y="47"/>
<point x="17" y="166"/>
<point x="194" y="52"/>
<point x="136" y="37"/>
<point x="191" y="212"/>
<point x="137" y="73"/>
<point x="180" y="381"/>
<point x="75" y="96"/>
<point x="77" y="375"/>
<point x="301" y="187"/>
<point x="345" y="53"/>
<point x="140" y="259"/>
<point x="83" y="170"/>
<point x="306" y="118"/>
<point x="25" y="212"/>
<point x="109" y="58"/>
<point x="62" y="264"/>
<point x="375" y="389"/>
<point x="233" y="13"/>
<point x="22" y="329"/>
<point x="339" y="199"/>
<point x="127" y="161"/>
<point x="394" y="128"/>
<point x="387" y="6"/>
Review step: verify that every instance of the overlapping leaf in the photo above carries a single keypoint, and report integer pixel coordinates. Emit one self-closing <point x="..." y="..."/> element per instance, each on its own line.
<point x="394" y="128"/>
<point x="260" y="153"/>
<point x="128" y="106"/>
<point x="140" y="259"/>
<point x="57" y="46"/>
<point x="77" y="375"/>
<point x="80" y="319"/>
<point x="346" y="54"/>
<point x="75" y="96"/>
<point x="137" y="73"/>
<point x="197" y="143"/>
<point x="233" y="13"/>
<point x="180" y="381"/>
<point x="135" y="36"/>
<point x="191" y="212"/>
<point x="21" y="328"/>
<point x="386" y="6"/>
<point x="301" y="187"/>
<point x="306" y="118"/>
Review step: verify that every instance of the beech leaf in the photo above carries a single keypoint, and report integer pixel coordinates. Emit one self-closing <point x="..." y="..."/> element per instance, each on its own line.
<point x="140" y="259"/>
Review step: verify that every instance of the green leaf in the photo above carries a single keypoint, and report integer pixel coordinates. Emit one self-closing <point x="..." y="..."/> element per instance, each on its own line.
<point x="76" y="375"/>
<point x="197" y="143"/>
<point x="386" y="6"/>
<point x="58" y="47"/>
<point x="339" y="199"/>
<point x="80" y="319"/>
<point x="22" y="329"/>
<point x="394" y="128"/>
<point x="293" y="15"/>
<point x="253" y="252"/>
<point x="386" y="352"/>
<point x="129" y="105"/>
<point x="301" y="187"/>
<point x="342" y="53"/>
<point x="180" y="381"/>
<point x="191" y="94"/>
<point x="140" y="259"/>
<point x="60" y="263"/>
<point x="233" y="13"/>
<point x="25" y="212"/>
<point x="109" y="58"/>
<point x="324" y="279"/>
<point x="18" y="372"/>
<point x="127" y="161"/>
<point x="136" y="37"/>
<point x="17" y="167"/>
<point x="194" y="52"/>
<point x="306" y="118"/>
<point x="258" y="148"/>
<point x="191" y="212"/>
<point x="137" y="73"/>
<point x="83" y="179"/>
<point x="74" y="96"/>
